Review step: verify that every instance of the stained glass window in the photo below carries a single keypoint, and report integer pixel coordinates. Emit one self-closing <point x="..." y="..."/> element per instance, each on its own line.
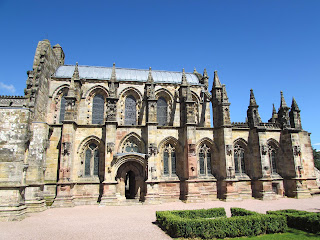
<point x="91" y="164"/>
<point x="98" y="109"/>
<point x="201" y="160"/>
<point x="162" y="111"/>
<point x="62" y="108"/>
<point x="130" y="111"/>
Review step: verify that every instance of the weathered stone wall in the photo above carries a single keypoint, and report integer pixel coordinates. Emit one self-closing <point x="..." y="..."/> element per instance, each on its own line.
<point x="14" y="135"/>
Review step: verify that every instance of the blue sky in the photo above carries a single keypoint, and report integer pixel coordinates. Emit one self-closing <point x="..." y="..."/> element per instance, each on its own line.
<point x="268" y="46"/>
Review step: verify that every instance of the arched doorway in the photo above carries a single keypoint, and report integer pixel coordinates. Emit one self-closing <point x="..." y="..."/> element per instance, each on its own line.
<point x="130" y="185"/>
<point x="131" y="181"/>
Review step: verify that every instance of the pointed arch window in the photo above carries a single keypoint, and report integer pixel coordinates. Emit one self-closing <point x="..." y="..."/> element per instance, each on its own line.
<point x="169" y="160"/>
<point x="130" y="111"/>
<point x="62" y="108"/>
<point x="98" y="109"/>
<point x="239" y="164"/>
<point x="162" y="111"/>
<point x="204" y="160"/>
<point x="272" y="159"/>
<point x="91" y="164"/>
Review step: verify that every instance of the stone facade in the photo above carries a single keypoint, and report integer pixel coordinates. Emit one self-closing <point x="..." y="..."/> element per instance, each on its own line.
<point x="98" y="135"/>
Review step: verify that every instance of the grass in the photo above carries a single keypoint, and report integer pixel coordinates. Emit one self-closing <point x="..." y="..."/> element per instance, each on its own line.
<point x="291" y="234"/>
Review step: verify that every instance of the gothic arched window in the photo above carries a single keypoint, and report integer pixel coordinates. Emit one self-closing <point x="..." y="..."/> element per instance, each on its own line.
<point x="98" y="109"/>
<point x="130" y="111"/>
<point x="169" y="160"/>
<point x="91" y="164"/>
<point x="272" y="159"/>
<point x="62" y="108"/>
<point x="162" y="112"/>
<point x="239" y="164"/>
<point x="204" y="160"/>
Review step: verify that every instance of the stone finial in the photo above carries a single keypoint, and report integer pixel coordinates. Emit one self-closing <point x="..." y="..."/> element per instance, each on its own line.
<point x="294" y="105"/>
<point x="283" y="103"/>
<point x="252" y="99"/>
<point x="150" y="78"/>
<point x="195" y="70"/>
<point x="273" y="110"/>
<point x="184" y="78"/>
<point x="216" y="81"/>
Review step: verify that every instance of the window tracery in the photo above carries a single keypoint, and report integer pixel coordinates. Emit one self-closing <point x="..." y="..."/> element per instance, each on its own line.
<point x="169" y="160"/>
<point x="239" y="163"/>
<point x="91" y="161"/>
<point x="204" y="160"/>
<point x="272" y="159"/>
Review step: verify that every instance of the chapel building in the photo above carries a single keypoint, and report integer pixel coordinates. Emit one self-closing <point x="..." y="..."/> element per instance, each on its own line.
<point x="109" y="135"/>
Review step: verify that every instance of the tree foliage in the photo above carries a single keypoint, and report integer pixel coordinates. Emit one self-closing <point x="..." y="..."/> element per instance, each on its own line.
<point x="316" y="156"/>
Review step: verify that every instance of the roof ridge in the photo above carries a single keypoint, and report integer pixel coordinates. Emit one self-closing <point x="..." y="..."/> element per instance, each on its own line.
<point x="136" y="69"/>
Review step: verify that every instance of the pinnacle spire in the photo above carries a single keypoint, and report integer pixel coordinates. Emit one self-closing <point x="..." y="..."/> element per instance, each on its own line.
<point x="75" y="75"/>
<point x="294" y="105"/>
<point x="273" y="110"/>
<point x="216" y="81"/>
<point x="205" y="74"/>
<point x="150" y="78"/>
<point x="195" y="70"/>
<point x="113" y="74"/>
<point x="252" y="99"/>
<point x="184" y="78"/>
<point x="283" y="103"/>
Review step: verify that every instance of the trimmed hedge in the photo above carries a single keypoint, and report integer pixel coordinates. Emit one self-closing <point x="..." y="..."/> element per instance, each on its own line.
<point x="241" y="212"/>
<point x="201" y="213"/>
<point x="303" y="220"/>
<point x="220" y="227"/>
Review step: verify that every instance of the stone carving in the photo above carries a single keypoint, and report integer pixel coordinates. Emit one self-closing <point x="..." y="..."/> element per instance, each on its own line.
<point x="297" y="150"/>
<point x="110" y="147"/>
<point x="229" y="150"/>
<point x="264" y="149"/>
<point x="111" y="111"/>
<point x="66" y="148"/>
<point x="192" y="149"/>
<point x="152" y="150"/>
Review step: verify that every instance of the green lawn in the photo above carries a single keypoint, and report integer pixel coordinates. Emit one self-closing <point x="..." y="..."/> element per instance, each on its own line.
<point x="291" y="234"/>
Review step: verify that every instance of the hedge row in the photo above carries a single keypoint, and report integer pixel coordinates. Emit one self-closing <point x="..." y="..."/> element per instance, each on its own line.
<point x="241" y="212"/>
<point x="306" y="221"/>
<point x="220" y="227"/>
<point x="201" y="213"/>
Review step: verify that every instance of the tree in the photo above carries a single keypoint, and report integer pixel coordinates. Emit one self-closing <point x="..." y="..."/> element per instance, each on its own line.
<point x="316" y="157"/>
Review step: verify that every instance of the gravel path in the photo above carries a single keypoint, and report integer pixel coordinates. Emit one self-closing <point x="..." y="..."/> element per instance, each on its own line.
<point x="125" y="222"/>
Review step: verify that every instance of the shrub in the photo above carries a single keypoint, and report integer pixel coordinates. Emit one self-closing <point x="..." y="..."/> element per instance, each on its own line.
<point x="241" y="212"/>
<point x="201" y="213"/>
<point x="220" y="227"/>
<point x="303" y="220"/>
